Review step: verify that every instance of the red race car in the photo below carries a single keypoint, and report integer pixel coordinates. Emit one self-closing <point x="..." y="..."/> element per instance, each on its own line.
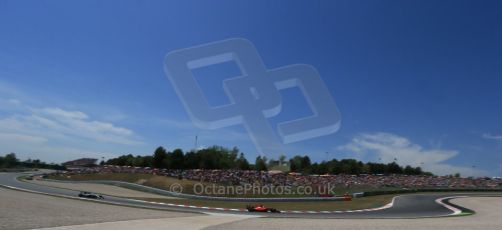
<point x="261" y="208"/>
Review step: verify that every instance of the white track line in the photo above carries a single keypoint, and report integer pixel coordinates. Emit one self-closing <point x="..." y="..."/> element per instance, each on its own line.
<point x="455" y="211"/>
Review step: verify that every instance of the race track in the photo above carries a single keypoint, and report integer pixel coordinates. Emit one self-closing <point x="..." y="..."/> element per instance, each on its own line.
<point x="404" y="206"/>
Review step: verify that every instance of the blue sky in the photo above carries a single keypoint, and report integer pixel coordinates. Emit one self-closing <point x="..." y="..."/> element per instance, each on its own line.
<point x="414" y="80"/>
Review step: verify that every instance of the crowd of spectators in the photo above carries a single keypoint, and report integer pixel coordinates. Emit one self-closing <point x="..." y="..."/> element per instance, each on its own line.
<point x="277" y="178"/>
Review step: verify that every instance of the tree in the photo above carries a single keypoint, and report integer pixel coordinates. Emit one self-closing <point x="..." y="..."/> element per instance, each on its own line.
<point x="159" y="157"/>
<point x="295" y="164"/>
<point x="282" y="159"/>
<point x="305" y="163"/>
<point x="300" y="164"/>
<point x="260" y="164"/>
<point x="10" y="160"/>
<point x="191" y="160"/>
<point x="36" y="163"/>
<point x="272" y="163"/>
<point x="176" y="159"/>
<point x="147" y="161"/>
<point x="394" y="168"/>
<point x="242" y="163"/>
<point x="208" y="158"/>
<point x="321" y="168"/>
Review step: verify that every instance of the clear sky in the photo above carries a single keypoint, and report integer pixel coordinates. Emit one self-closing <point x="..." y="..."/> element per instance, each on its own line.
<point x="418" y="81"/>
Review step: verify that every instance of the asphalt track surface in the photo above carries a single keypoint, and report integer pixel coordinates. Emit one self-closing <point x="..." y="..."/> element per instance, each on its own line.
<point x="404" y="206"/>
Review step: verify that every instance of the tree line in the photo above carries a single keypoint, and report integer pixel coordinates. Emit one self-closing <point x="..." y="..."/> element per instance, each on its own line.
<point x="217" y="157"/>
<point x="350" y="166"/>
<point x="11" y="161"/>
